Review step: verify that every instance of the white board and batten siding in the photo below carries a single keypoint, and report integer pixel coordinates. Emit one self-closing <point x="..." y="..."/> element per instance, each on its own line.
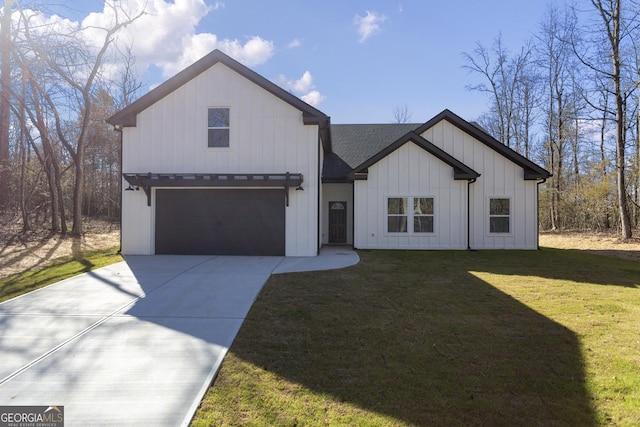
<point x="500" y="178"/>
<point x="410" y="171"/>
<point x="267" y="135"/>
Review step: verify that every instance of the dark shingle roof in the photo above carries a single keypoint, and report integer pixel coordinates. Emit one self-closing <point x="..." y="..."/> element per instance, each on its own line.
<point x="354" y="144"/>
<point x="357" y="143"/>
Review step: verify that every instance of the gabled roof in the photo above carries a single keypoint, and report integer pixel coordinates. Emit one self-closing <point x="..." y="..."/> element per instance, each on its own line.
<point x="357" y="143"/>
<point x="531" y="170"/>
<point x="310" y="115"/>
<point x="460" y="170"/>
<point x="352" y="144"/>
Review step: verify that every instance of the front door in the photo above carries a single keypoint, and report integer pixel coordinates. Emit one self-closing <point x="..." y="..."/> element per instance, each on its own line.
<point x="337" y="222"/>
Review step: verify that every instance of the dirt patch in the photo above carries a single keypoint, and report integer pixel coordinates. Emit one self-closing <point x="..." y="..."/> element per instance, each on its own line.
<point x="21" y="252"/>
<point x="598" y="243"/>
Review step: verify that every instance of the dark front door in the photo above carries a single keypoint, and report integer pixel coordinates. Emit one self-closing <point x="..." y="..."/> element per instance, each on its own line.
<point x="337" y="222"/>
<point x="220" y="222"/>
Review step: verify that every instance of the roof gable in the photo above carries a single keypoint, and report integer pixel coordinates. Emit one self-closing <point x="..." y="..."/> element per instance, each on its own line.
<point x="531" y="170"/>
<point x="310" y="115"/>
<point x="355" y="143"/>
<point x="460" y="170"/>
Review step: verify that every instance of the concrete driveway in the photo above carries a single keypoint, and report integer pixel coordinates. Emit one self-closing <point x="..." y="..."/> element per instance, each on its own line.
<point x="135" y="343"/>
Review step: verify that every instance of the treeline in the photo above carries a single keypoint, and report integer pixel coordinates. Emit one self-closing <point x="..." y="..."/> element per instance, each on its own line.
<point x="569" y="100"/>
<point x="59" y="160"/>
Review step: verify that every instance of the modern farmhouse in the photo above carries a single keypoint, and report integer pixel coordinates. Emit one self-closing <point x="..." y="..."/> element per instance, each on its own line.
<point x="220" y="160"/>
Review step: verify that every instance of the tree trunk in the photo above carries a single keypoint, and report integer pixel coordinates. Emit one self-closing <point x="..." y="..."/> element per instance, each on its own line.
<point x="615" y="36"/>
<point x="78" y="191"/>
<point x="5" y="102"/>
<point x="26" y="224"/>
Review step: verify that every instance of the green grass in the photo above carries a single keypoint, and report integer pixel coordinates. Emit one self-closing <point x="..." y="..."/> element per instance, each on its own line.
<point x="58" y="269"/>
<point x="495" y="338"/>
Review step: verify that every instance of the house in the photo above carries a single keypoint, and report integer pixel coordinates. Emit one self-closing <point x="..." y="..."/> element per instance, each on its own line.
<point x="220" y="160"/>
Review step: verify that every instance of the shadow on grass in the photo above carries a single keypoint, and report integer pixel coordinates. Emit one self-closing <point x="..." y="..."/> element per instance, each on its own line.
<point x="414" y="336"/>
<point x="581" y="266"/>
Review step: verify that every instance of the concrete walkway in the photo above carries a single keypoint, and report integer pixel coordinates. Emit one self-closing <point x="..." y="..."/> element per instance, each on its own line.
<point x="138" y="342"/>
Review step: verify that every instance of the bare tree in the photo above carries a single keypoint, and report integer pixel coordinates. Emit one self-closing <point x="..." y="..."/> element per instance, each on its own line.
<point x="5" y="101"/>
<point x="615" y="32"/>
<point x="78" y="66"/>
<point x="554" y="56"/>
<point x="504" y="77"/>
<point x="401" y="114"/>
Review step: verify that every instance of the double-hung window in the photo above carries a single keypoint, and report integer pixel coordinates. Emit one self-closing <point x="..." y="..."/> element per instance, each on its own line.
<point x="218" y="128"/>
<point x="423" y="214"/>
<point x="499" y="215"/>
<point x="411" y="215"/>
<point x="397" y="215"/>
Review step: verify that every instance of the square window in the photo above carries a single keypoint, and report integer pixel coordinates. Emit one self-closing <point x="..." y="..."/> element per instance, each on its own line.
<point x="499" y="207"/>
<point x="397" y="224"/>
<point x="499" y="225"/>
<point x="218" y="118"/>
<point x="397" y="205"/>
<point x="423" y="224"/>
<point x="218" y="123"/>
<point x="218" y="138"/>
<point x="423" y="205"/>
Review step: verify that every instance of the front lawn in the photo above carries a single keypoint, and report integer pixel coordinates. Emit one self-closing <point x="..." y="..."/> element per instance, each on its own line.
<point x="439" y="339"/>
<point x="59" y="269"/>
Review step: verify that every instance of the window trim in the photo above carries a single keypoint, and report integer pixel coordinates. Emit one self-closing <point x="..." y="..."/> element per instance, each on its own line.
<point x="228" y="128"/>
<point x="490" y="216"/>
<point x="410" y="215"/>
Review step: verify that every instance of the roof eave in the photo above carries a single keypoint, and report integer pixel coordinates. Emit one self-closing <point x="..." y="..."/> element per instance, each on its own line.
<point x="532" y="171"/>
<point x="461" y="171"/>
<point x="459" y="175"/>
<point x="128" y="115"/>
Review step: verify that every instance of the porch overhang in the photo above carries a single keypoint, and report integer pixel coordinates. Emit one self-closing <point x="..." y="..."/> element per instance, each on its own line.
<point x="148" y="180"/>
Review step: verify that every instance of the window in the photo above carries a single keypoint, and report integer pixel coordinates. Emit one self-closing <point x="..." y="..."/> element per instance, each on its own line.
<point x="423" y="215"/>
<point x="218" y="128"/>
<point x="397" y="214"/>
<point x="499" y="215"/>
<point x="420" y="219"/>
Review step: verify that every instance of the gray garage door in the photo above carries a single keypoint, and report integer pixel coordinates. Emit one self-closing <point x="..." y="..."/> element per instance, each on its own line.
<point x="220" y="222"/>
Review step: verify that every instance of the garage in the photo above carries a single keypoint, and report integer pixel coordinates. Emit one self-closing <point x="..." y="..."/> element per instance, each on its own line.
<point x="220" y="221"/>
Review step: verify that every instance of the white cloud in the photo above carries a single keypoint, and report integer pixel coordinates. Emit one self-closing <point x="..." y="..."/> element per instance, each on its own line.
<point x="369" y="24"/>
<point x="166" y="35"/>
<point x="294" y="43"/>
<point x="304" y="88"/>
<point x="313" y="98"/>
<point x="254" y="51"/>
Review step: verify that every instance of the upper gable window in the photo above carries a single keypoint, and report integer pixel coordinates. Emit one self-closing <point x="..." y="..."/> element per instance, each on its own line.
<point x="218" y="128"/>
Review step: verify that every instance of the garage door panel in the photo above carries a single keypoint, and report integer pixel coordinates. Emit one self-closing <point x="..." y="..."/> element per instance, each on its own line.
<point x="220" y="222"/>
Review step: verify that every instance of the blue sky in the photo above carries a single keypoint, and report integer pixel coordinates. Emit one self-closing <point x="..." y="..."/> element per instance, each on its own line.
<point x="355" y="60"/>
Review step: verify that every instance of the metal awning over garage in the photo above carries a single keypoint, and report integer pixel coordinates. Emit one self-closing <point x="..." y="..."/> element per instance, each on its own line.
<point x="148" y="180"/>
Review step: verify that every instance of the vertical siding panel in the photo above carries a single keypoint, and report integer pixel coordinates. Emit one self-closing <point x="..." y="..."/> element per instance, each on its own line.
<point x="267" y="136"/>
<point x="399" y="174"/>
